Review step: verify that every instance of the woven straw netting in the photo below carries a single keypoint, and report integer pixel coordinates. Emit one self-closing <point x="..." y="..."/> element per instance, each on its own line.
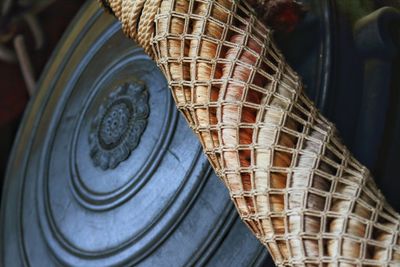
<point x="292" y="181"/>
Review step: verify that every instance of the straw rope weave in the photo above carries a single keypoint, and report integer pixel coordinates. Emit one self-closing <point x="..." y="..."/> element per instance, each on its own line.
<point x="292" y="181"/>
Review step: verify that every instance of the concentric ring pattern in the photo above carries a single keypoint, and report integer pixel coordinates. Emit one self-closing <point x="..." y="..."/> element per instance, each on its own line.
<point x="106" y="172"/>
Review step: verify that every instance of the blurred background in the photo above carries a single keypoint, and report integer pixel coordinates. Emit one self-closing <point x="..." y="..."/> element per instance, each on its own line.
<point x="29" y="32"/>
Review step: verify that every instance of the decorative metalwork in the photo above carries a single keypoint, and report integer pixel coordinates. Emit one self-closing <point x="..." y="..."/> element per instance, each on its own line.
<point x="118" y="125"/>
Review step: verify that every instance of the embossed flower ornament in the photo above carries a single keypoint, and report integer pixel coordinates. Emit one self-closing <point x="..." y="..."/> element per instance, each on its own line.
<point x="116" y="129"/>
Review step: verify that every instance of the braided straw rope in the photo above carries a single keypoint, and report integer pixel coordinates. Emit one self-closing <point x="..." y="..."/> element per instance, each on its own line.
<point x="292" y="181"/>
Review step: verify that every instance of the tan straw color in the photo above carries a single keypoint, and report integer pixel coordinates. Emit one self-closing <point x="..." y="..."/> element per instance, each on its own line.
<point x="291" y="179"/>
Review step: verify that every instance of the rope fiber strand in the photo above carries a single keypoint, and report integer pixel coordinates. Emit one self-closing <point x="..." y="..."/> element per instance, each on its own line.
<point x="293" y="182"/>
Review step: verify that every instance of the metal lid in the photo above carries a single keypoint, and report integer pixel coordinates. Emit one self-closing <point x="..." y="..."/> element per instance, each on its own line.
<point x="106" y="172"/>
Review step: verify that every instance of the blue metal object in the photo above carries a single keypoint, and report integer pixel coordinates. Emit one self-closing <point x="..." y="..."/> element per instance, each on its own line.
<point x="148" y="198"/>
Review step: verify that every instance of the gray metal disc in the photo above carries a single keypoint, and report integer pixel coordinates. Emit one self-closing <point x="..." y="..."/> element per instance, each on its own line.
<point x="105" y="171"/>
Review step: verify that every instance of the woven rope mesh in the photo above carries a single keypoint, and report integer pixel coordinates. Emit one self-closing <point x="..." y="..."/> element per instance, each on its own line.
<point x="292" y="181"/>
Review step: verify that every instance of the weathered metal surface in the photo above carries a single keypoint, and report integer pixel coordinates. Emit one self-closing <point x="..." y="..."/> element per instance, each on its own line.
<point x="106" y="172"/>
<point x="118" y="125"/>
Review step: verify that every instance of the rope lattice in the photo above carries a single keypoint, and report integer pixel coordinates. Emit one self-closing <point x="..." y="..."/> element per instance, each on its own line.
<point x="293" y="182"/>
